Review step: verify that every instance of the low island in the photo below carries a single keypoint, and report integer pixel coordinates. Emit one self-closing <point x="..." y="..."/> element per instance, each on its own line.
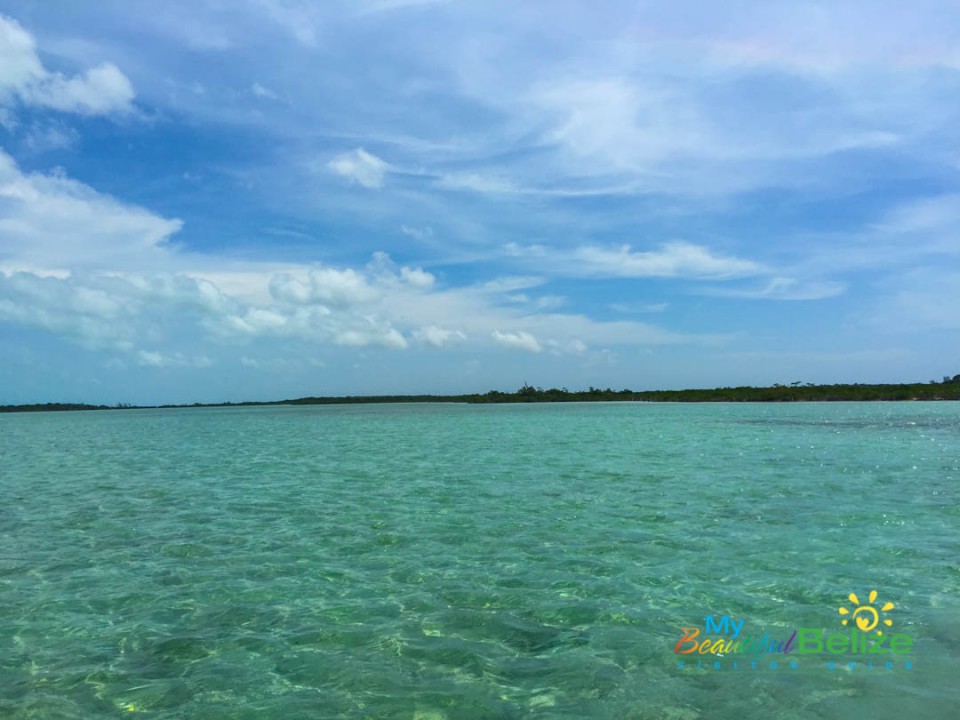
<point x="947" y="389"/>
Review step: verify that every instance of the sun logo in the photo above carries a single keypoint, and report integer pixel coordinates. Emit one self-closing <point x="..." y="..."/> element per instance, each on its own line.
<point x="866" y="616"/>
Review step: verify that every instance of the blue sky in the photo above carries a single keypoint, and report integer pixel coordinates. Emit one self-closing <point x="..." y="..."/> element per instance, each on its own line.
<point x="203" y="201"/>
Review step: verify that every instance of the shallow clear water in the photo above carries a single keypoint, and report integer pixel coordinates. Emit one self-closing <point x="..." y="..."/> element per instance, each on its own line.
<point x="454" y="561"/>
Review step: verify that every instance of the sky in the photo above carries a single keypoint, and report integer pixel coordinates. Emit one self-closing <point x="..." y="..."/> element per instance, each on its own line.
<point x="264" y="199"/>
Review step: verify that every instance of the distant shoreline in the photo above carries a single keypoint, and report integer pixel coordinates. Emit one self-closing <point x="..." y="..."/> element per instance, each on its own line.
<point x="949" y="389"/>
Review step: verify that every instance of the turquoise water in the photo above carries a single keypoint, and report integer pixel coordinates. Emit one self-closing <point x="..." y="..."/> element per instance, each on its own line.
<point x="452" y="561"/>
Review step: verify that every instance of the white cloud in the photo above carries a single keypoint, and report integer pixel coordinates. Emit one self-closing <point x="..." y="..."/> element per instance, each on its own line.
<point x="324" y="286"/>
<point x="512" y="283"/>
<point x="784" y="288"/>
<point x="438" y="337"/>
<point x="933" y="217"/>
<point x="161" y="360"/>
<point x="170" y="320"/>
<point x="639" y="307"/>
<point x="571" y="347"/>
<point x="263" y="92"/>
<point x="40" y="137"/>
<point x="917" y="301"/>
<point x="375" y="334"/>
<point x="97" y="91"/>
<point x="385" y="272"/>
<point x="52" y="222"/>
<point x="676" y="100"/>
<point x="18" y="57"/>
<point x="650" y="125"/>
<point x="417" y="233"/>
<point x="675" y="259"/>
<point x="626" y="124"/>
<point x="256" y="321"/>
<point x="476" y="182"/>
<point x="110" y="311"/>
<point x="549" y="302"/>
<point x="544" y="302"/>
<point x="417" y="277"/>
<point x="360" y="167"/>
<point x="519" y="340"/>
<point x="297" y="18"/>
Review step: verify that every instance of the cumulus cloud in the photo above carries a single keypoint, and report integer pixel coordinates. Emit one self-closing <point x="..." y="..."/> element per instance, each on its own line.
<point x="49" y="221"/>
<point x="69" y="258"/>
<point x="18" y="56"/>
<point x="97" y="91"/>
<point x="106" y="311"/>
<point x="123" y="312"/>
<point x="417" y="277"/>
<point x="161" y="360"/>
<point x="437" y="336"/>
<point x="323" y="286"/>
<point x="349" y="326"/>
<point x="175" y="322"/>
<point x="518" y="340"/>
<point x="255" y="321"/>
<point x="360" y="167"/>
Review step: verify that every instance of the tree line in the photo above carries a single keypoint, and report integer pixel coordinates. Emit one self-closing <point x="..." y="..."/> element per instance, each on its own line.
<point x="948" y="389"/>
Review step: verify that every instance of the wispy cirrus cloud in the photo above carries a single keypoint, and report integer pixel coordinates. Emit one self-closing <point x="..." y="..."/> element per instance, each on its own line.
<point x="674" y="259"/>
<point x="782" y="288"/>
<point x="671" y="260"/>
<point x="915" y="302"/>
<point x="935" y="219"/>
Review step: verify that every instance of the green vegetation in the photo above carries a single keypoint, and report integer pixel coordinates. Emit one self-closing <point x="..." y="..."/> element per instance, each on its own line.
<point x="948" y="389"/>
<point x="795" y="392"/>
<point x="46" y="407"/>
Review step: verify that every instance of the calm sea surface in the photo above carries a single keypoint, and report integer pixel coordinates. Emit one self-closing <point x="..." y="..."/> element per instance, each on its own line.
<point x="433" y="562"/>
